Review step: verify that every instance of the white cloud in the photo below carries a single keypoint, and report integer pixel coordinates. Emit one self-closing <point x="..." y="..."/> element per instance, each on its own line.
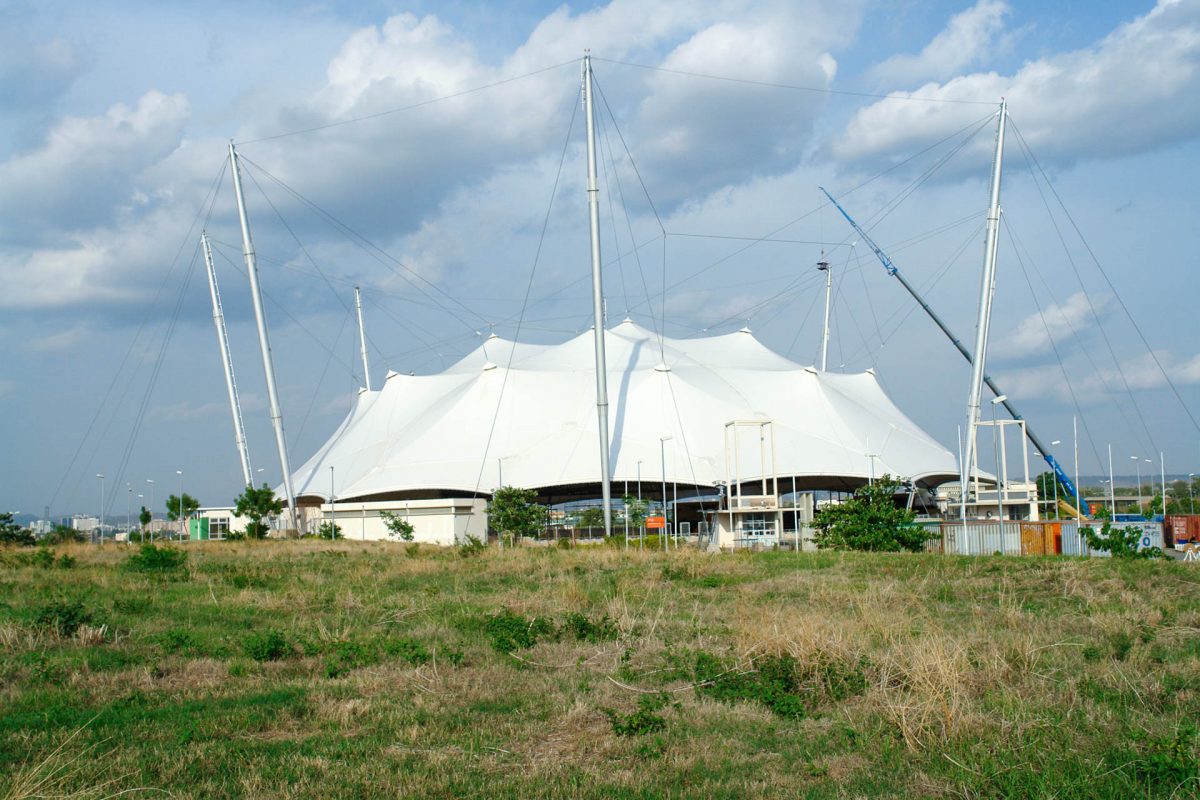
<point x="1057" y="322"/>
<point x="1133" y="91"/>
<point x="968" y="39"/>
<point x="89" y="167"/>
<point x="1092" y="387"/>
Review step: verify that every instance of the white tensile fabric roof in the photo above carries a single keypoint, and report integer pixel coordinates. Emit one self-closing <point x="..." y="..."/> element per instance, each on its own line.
<point x="538" y="405"/>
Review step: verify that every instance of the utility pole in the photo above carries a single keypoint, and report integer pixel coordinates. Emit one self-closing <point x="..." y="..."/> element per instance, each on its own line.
<point x="263" y="342"/>
<point x="987" y="287"/>
<point x="593" y="193"/>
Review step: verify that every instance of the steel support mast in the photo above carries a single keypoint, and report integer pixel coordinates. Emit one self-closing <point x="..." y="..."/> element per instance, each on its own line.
<point x="235" y="407"/>
<point x="894" y="271"/>
<point x="264" y="343"/>
<point x="362" y="338"/>
<point x="987" y="289"/>
<point x="593" y="193"/>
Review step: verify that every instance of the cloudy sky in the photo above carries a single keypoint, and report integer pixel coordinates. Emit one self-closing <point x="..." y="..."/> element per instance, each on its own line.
<point x="420" y="150"/>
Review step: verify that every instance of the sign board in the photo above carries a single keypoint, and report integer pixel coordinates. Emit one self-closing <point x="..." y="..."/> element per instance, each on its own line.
<point x="656" y="522"/>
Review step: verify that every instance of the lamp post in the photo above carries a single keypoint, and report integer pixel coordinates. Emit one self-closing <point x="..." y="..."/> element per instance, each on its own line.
<point x="179" y="472"/>
<point x="999" y="497"/>
<point x="1162" y="473"/>
<point x="151" y="482"/>
<point x="1191" y="492"/>
<point x="1150" y="505"/>
<point x="332" y="510"/>
<point x="100" y="522"/>
<point x="128" y="511"/>
<point x="1055" y="442"/>
<point x="1137" y="463"/>
<point x="662" y="451"/>
<point x="642" y="537"/>
<point x="143" y="530"/>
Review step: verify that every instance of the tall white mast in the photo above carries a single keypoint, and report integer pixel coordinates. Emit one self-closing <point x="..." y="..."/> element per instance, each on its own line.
<point x="823" y="265"/>
<point x="239" y="430"/>
<point x="987" y="287"/>
<point x="263" y="343"/>
<point x="362" y="338"/>
<point x="593" y="193"/>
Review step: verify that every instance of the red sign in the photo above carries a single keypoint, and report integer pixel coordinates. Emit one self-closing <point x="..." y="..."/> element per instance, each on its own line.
<point x="656" y="522"/>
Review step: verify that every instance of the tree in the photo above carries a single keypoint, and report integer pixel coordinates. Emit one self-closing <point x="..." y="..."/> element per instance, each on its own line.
<point x="329" y="530"/>
<point x="255" y="505"/>
<point x="397" y="526"/>
<point x="62" y="534"/>
<point x="870" y="520"/>
<point x="1120" y="542"/>
<point x="635" y="510"/>
<point x="591" y="518"/>
<point x="513" y="512"/>
<point x="145" y="517"/>
<point x="190" y="504"/>
<point x="1046" y="483"/>
<point x="12" y="533"/>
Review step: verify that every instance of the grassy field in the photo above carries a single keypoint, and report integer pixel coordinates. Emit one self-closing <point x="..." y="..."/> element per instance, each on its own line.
<point x="310" y="669"/>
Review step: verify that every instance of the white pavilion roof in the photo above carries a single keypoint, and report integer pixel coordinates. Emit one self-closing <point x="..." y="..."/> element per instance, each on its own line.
<point x="537" y="403"/>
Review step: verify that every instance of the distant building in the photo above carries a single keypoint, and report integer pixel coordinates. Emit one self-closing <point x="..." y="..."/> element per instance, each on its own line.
<point x="85" y="524"/>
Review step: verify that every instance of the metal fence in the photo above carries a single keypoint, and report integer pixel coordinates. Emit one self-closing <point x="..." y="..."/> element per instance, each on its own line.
<point x="1015" y="538"/>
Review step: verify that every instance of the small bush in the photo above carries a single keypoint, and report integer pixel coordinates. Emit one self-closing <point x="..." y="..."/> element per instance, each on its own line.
<point x="783" y="684"/>
<point x="583" y="629"/>
<point x="645" y="719"/>
<point x="63" y="617"/>
<point x="267" y="646"/>
<point x="508" y="631"/>
<point x="471" y="547"/>
<point x="410" y="650"/>
<point x="154" y="560"/>
<point x="346" y="656"/>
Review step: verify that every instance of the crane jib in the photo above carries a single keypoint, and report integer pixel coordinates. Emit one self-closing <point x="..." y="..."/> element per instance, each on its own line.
<point x="1059" y="472"/>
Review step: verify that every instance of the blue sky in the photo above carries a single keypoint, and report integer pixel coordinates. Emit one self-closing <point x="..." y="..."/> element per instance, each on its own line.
<point x="113" y="119"/>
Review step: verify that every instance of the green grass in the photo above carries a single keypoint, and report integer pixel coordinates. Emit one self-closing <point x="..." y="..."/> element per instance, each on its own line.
<point x="317" y="669"/>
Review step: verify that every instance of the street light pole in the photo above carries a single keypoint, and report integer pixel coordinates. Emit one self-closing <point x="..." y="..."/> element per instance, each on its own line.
<point x="642" y="538"/>
<point x="1150" y="472"/>
<point x="151" y="482"/>
<point x="141" y="529"/>
<point x="129" y="512"/>
<point x="179" y="472"/>
<point x="999" y="498"/>
<point x="332" y="509"/>
<point x="1056" y="442"/>
<point x="1191" y="492"/>
<point x="662" y="451"/>
<point x="100" y="522"/>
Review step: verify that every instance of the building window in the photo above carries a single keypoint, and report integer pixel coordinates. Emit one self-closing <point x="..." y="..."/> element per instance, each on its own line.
<point x="218" y="527"/>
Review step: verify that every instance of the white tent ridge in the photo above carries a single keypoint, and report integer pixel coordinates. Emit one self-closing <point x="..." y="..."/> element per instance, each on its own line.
<point x="427" y="435"/>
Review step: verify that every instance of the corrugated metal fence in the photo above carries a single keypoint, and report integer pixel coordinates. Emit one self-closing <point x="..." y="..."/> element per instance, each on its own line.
<point x="1014" y="538"/>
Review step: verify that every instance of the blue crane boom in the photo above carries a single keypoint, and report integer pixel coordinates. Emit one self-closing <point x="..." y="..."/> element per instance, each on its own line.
<point x="892" y="270"/>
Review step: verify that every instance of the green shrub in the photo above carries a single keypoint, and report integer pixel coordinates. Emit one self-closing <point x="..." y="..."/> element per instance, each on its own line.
<point x="644" y="719"/>
<point x="410" y="650"/>
<point x="154" y="560"/>
<point x="62" y="617"/>
<point x="783" y="684"/>
<point x="583" y="629"/>
<point x="270" y="645"/>
<point x="471" y="547"/>
<point x="345" y="656"/>
<point x="508" y="631"/>
<point x="870" y="520"/>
